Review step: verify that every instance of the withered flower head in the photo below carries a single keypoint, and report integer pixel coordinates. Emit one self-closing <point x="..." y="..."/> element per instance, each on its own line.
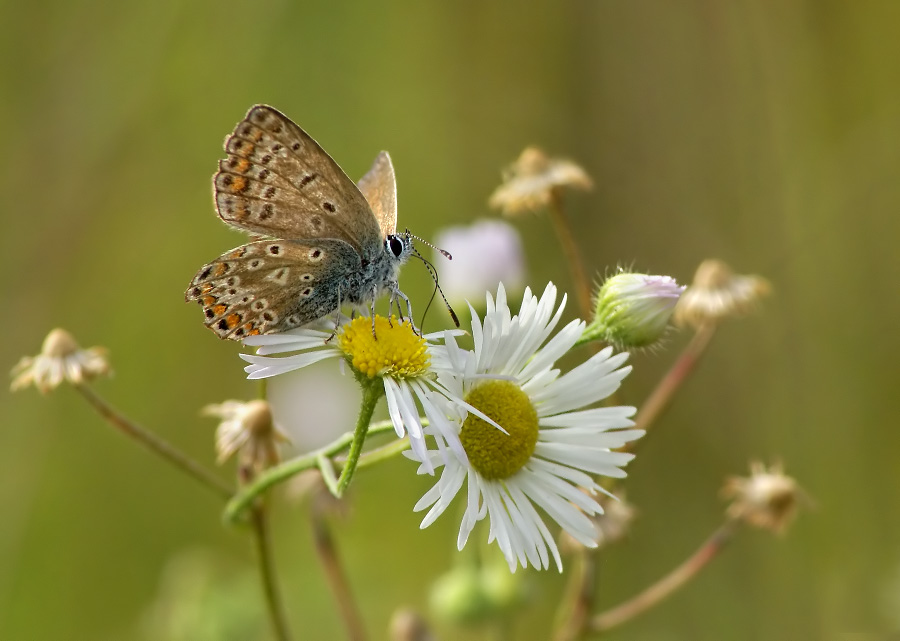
<point x="766" y="499"/>
<point x="718" y="293"/>
<point x="248" y="429"/>
<point x="529" y="183"/>
<point x="61" y="359"/>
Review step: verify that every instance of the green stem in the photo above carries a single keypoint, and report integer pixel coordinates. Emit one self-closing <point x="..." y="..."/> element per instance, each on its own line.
<point x="373" y="388"/>
<point x="287" y="470"/>
<point x="385" y="452"/>
<point x="267" y="573"/>
<point x="156" y="444"/>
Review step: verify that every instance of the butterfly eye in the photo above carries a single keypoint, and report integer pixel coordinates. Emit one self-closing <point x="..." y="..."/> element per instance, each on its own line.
<point x="395" y="245"/>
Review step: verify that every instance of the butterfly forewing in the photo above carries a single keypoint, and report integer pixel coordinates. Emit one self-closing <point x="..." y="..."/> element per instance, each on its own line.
<point x="272" y="285"/>
<point x="379" y="186"/>
<point x="278" y="181"/>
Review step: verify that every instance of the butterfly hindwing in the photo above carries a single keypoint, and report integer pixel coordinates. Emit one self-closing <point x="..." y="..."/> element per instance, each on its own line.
<point x="272" y="285"/>
<point x="277" y="181"/>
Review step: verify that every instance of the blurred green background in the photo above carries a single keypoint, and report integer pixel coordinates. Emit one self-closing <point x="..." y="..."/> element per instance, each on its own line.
<point x="764" y="133"/>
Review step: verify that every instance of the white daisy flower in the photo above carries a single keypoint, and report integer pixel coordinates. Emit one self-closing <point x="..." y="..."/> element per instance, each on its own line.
<point x="399" y="356"/>
<point x="550" y="446"/>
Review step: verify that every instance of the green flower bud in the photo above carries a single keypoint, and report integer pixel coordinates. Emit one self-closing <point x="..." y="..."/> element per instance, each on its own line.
<point x="633" y="310"/>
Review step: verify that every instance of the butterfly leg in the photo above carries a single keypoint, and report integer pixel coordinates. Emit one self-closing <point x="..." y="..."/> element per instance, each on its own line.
<point x="338" y="316"/>
<point x="372" y="309"/>
<point x="397" y="294"/>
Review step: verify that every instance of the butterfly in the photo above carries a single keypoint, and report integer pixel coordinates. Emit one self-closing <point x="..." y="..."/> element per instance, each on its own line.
<point x="321" y="240"/>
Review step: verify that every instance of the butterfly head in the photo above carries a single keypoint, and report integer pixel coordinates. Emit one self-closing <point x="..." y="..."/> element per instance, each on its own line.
<point x="399" y="246"/>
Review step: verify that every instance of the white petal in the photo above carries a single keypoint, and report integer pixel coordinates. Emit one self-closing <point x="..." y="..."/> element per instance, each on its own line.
<point x="598" y="418"/>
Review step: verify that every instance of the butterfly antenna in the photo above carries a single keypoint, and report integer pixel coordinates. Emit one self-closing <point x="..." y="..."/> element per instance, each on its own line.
<point x="444" y="252"/>
<point x="437" y="287"/>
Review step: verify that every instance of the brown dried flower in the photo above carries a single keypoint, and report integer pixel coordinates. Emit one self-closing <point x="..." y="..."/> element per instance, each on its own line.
<point x="61" y="359"/>
<point x="766" y="499"/>
<point x="718" y="293"/>
<point x="248" y="429"/>
<point x="529" y="183"/>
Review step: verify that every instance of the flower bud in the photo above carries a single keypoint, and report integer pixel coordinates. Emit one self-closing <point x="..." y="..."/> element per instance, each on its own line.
<point x="633" y="310"/>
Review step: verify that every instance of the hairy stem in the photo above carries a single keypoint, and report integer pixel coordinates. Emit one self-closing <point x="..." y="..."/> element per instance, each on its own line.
<point x="372" y="390"/>
<point x="677" y="578"/>
<point x="660" y="398"/>
<point x="156" y="445"/>
<point x="573" y="255"/>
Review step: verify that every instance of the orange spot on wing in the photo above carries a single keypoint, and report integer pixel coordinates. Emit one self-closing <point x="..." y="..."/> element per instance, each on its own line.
<point x="253" y="332"/>
<point x="238" y="184"/>
<point x="243" y="165"/>
<point x="237" y="253"/>
<point x="209" y="301"/>
<point x="220" y="269"/>
<point x="233" y="320"/>
<point x="218" y="310"/>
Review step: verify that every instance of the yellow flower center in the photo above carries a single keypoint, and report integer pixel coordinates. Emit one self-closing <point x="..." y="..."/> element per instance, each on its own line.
<point x="394" y="350"/>
<point x="494" y="454"/>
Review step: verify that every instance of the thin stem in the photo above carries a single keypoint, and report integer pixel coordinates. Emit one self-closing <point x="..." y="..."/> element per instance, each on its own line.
<point x="572" y="254"/>
<point x="334" y="571"/>
<point x="385" y="452"/>
<point x="576" y="606"/>
<point x="677" y="578"/>
<point x="287" y="470"/>
<point x="372" y="391"/>
<point x="267" y="573"/>
<point x="660" y="398"/>
<point x="156" y="444"/>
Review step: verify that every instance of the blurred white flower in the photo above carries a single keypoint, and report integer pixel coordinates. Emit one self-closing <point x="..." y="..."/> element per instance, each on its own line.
<point x="485" y="253"/>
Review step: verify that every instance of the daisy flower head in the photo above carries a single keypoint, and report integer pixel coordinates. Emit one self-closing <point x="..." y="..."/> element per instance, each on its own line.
<point x="381" y="348"/>
<point x="551" y="442"/>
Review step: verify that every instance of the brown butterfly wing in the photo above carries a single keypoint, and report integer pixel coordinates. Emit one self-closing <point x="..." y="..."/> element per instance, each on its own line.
<point x="277" y="181"/>
<point x="379" y="186"/>
<point x="271" y="286"/>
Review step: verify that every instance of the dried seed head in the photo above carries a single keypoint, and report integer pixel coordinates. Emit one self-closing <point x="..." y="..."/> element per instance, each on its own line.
<point x="718" y="293"/>
<point x="766" y="499"/>
<point x="61" y="359"/>
<point x="528" y="183"/>
<point x="246" y="429"/>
